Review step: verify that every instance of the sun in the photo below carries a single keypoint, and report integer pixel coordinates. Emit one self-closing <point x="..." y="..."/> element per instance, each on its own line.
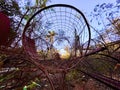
<point x="64" y="54"/>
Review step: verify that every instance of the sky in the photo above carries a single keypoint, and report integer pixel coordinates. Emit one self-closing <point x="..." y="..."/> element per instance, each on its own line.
<point x="85" y="6"/>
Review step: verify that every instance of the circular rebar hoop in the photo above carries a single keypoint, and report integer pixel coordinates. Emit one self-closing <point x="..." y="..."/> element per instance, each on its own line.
<point x="54" y="28"/>
<point x="58" y="26"/>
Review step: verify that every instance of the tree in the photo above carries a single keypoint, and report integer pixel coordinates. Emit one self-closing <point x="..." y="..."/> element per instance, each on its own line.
<point x="18" y="20"/>
<point x="19" y="15"/>
<point x="105" y="14"/>
<point x="105" y="11"/>
<point x="115" y="25"/>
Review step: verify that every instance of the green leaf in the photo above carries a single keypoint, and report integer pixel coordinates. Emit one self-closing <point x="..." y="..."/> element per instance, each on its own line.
<point x="26" y="17"/>
<point x="36" y="84"/>
<point x="25" y="88"/>
<point x="37" y="2"/>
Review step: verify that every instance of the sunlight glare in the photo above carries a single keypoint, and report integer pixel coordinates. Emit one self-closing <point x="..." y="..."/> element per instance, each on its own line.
<point x="64" y="54"/>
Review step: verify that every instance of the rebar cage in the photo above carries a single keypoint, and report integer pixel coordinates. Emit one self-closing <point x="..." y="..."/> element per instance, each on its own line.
<point x="56" y="27"/>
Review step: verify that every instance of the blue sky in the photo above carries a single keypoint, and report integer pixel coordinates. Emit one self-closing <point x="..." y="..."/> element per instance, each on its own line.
<point x="84" y="5"/>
